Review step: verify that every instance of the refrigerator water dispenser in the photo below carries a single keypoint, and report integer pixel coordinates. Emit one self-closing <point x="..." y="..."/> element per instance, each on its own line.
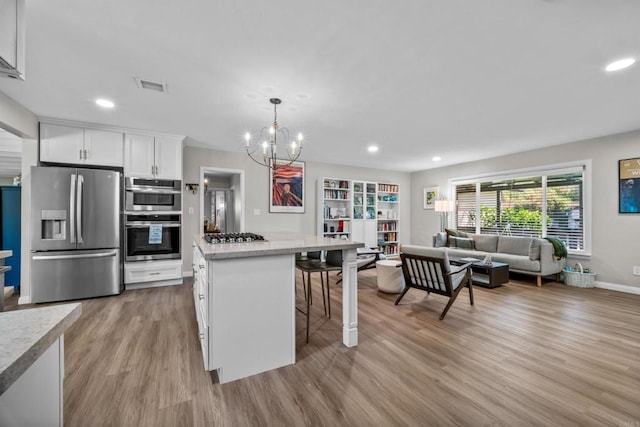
<point x="54" y="224"/>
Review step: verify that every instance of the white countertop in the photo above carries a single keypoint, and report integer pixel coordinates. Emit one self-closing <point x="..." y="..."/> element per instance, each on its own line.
<point x="26" y="334"/>
<point x="275" y="244"/>
<point x="6" y="254"/>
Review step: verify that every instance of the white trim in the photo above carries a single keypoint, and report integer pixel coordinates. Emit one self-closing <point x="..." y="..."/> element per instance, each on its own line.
<point x="619" y="288"/>
<point x="188" y="273"/>
<point x="516" y="173"/>
<point x="24" y="300"/>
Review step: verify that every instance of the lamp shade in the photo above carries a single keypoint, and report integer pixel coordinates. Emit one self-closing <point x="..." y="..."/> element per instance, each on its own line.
<point x="444" y="205"/>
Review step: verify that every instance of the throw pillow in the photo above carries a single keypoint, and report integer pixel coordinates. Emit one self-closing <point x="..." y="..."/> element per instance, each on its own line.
<point x="462" y="243"/>
<point x="455" y="233"/>
<point x="534" y="250"/>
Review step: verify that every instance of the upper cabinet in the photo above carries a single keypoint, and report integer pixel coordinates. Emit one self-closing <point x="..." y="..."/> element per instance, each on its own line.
<point x="152" y="157"/>
<point x="80" y="146"/>
<point x="12" y="30"/>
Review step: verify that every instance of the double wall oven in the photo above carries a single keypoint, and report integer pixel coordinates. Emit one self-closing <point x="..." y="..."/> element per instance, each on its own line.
<point x="152" y="219"/>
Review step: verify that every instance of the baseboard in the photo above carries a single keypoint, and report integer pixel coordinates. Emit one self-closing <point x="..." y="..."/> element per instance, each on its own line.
<point x="619" y="288"/>
<point x="187" y="273"/>
<point x="159" y="283"/>
<point x="24" y="300"/>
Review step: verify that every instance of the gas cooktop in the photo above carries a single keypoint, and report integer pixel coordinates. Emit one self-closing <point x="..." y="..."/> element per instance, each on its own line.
<point x="219" y="238"/>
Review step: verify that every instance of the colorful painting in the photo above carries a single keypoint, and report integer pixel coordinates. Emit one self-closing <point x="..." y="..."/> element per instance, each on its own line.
<point x="429" y="196"/>
<point x="629" y="185"/>
<point x="287" y="187"/>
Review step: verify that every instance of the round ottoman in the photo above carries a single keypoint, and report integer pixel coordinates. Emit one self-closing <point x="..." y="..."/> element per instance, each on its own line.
<point x="390" y="278"/>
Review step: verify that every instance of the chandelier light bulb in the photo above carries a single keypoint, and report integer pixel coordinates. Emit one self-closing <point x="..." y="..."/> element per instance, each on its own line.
<point x="620" y="65"/>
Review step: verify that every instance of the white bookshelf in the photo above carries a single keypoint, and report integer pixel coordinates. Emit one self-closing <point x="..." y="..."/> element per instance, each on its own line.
<point x="388" y="218"/>
<point x="335" y="202"/>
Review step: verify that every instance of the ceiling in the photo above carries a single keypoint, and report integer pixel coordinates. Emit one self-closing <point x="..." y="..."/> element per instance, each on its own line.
<point x="459" y="79"/>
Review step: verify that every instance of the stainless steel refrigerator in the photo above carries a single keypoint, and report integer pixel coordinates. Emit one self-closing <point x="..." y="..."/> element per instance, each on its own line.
<point x="75" y="233"/>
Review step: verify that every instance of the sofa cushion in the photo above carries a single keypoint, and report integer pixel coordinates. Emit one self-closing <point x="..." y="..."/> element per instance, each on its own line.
<point x="485" y="242"/>
<point x="457" y="253"/>
<point x="461" y="242"/>
<point x="517" y="262"/>
<point x="514" y="245"/>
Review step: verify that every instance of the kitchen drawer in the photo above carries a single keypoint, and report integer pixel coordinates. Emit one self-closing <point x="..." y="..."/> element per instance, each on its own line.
<point x="152" y="271"/>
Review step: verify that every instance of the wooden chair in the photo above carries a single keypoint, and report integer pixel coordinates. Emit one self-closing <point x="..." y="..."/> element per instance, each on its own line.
<point x="313" y="264"/>
<point x="428" y="269"/>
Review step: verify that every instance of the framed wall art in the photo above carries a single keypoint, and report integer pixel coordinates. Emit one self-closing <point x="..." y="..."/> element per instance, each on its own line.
<point x="429" y="196"/>
<point x="286" y="187"/>
<point x="629" y="185"/>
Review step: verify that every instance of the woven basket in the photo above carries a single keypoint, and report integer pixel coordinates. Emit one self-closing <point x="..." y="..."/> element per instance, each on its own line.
<point x="579" y="278"/>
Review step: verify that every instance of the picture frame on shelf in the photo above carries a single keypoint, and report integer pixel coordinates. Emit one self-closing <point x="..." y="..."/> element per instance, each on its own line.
<point x="429" y="197"/>
<point x="286" y="187"/>
<point x="629" y="186"/>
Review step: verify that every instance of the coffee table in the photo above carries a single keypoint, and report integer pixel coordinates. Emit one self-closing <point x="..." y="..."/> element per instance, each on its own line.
<point x="488" y="275"/>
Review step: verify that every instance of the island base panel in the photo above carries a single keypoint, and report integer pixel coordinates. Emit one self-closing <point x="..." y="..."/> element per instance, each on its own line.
<point x="252" y="317"/>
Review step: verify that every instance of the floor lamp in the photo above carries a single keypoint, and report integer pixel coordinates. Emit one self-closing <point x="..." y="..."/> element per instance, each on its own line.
<point x="443" y="207"/>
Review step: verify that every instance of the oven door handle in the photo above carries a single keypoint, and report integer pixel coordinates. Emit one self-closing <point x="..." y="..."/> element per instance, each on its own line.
<point x="151" y="190"/>
<point x="147" y="225"/>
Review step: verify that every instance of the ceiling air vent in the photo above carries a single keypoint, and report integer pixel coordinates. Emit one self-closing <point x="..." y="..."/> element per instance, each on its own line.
<point x="148" y="84"/>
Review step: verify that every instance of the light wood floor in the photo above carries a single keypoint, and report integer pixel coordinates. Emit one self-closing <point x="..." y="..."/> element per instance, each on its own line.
<point x="522" y="355"/>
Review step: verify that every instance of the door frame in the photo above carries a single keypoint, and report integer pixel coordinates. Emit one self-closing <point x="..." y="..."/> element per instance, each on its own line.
<point x="241" y="196"/>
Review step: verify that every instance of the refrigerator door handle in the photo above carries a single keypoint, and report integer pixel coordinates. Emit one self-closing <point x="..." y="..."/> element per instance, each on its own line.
<point x="72" y="210"/>
<point x="79" y="206"/>
<point x="95" y="255"/>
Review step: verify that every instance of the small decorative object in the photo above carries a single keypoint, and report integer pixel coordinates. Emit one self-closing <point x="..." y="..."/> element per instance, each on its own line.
<point x="629" y="185"/>
<point x="192" y="187"/>
<point x="286" y="183"/>
<point x="430" y="194"/>
<point x="17" y="181"/>
<point x="487" y="260"/>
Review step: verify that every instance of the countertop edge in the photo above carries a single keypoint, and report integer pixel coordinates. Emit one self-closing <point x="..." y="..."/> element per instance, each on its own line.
<point x="26" y="359"/>
<point x="254" y="251"/>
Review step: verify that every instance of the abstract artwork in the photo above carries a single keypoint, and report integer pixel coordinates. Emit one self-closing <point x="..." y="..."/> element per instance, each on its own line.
<point x="286" y="187"/>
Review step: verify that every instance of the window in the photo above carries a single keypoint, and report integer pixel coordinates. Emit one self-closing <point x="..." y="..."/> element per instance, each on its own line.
<point x="543" y="203"/>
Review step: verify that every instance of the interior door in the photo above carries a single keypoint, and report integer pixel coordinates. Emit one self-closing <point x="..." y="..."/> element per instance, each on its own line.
<point x="98" y="201"/>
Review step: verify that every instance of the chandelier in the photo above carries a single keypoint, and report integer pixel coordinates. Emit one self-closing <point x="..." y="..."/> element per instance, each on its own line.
<point x="267" y="145"/>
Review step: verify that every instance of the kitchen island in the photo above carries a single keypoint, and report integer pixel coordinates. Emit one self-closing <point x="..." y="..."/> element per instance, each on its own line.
<point x="32" y="364"/>
<point x="244" y="296"/>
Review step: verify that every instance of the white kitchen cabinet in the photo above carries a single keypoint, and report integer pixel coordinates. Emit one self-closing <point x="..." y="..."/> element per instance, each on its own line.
<point x="39" y="387"/>
<point x="153" y="157"/>
<point x="144" y="274"/>
<point x="80" y="146"/>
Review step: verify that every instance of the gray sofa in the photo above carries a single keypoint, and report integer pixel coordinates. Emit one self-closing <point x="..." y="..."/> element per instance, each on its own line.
<point x="526" y="255"/>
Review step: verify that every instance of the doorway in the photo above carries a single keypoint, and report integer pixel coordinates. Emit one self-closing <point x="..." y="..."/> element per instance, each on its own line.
<point x="221" y="200"/>
<point x="10" y="212"/>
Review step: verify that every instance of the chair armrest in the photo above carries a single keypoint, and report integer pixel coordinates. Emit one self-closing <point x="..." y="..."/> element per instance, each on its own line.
<point x="459" y="268"/>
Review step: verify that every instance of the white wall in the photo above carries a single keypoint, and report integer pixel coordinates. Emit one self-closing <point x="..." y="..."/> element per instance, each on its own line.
<point x="18" y="120"/>
<point x="257" y="194"/>
<point x="615" y="237"/>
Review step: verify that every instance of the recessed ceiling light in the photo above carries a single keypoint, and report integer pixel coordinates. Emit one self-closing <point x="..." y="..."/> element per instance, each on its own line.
<point x="372" y="148"/>
<point x="436" y="158"/>
<point x="105" y="103"/>
<point x="620" y="64"/>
